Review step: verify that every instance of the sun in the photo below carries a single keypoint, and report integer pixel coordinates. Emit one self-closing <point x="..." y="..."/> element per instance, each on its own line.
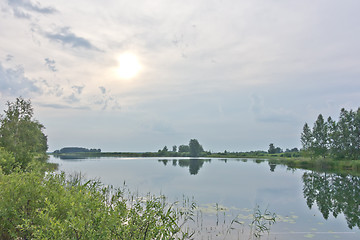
<point x="129" y="66"/>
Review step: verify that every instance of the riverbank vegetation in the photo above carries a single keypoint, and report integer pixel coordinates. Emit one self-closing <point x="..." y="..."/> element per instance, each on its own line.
<point x="38" y="204"/>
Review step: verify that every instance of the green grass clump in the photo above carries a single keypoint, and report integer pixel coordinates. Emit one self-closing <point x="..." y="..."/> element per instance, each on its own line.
<point x="53" y="207"/>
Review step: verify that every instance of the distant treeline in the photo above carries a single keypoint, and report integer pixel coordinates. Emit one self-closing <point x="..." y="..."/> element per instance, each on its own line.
<point x="77" y="150"/>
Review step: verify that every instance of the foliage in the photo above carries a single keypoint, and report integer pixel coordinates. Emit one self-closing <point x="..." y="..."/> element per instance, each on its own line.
<point x="261" y="222"/>
<point x="76" y="150"/>
<point x="20" y="134"/>
<point x="320" y="137"/>
<point x="340" y="140"/>
<point x="184" y="148"/>
<point x="273" y="149"/>
<point x="7" y="162"/>
<point x="195" y="148"/>
<point x="34" y="207"/>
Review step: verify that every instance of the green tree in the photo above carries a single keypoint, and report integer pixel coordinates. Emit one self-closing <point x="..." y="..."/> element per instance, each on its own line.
<point x="272" y="148"/>
<point x="165" y="149"/>
<point x="174" y="148"/>
<point x="306" y="138"/>
<point x="20" y="134"/>
<point x="195" y="148"/>
<point x="320" y="135"/>
<point x="184" y="148"/>
<point x="356" y="134"/>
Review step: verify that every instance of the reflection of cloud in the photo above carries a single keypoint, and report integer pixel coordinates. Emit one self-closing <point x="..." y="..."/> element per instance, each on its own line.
<point x="66" y="37"/>
<point x="50" y="64"/>
<point x="14" y="82"/>
<point x="22" y="8"/>
<point x="269" y="114"/>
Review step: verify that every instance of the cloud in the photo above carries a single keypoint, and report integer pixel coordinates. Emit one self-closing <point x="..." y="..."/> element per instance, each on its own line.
<point x="14" y="82"/>
<point x="52" y="89"/>
<point x="23" y="8"/>
<point x="163" y="128"/>
<point x="50" y="64"/>
<point x="9" y="57"/>
<point x="67" y="38"/>
<point x="61" y="106"/>
<point x="74" y="97"/>
<point x="269" y="114"/>
<point x="102" y="89"/>
<point x="78" y="89"/>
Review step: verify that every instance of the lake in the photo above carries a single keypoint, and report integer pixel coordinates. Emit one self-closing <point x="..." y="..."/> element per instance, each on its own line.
<point x="308" y="204"/>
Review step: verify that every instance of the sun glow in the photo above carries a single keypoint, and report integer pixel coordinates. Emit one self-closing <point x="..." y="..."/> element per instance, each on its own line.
<point x="129" y="66"/>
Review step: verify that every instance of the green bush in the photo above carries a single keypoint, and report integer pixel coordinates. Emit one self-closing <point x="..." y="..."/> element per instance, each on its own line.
<point x="34" y="207"/>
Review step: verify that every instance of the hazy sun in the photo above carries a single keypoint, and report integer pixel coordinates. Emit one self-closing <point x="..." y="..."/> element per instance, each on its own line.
<point x="129" y="66"/>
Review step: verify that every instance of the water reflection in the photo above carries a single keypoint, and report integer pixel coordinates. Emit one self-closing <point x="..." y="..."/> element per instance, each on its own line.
<point x="334" y="193"/>
<point x="194" y="165"/>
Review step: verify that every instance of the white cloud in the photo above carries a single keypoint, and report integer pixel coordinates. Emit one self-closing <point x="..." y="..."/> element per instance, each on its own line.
<point x="24" y="8"/>
<point x="14" y="82"/>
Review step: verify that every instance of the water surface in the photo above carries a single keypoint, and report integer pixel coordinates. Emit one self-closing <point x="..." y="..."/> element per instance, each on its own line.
<point x="304" y="201"/>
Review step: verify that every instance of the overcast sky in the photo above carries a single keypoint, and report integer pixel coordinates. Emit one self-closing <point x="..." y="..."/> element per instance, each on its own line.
<point x="234" y="74"/>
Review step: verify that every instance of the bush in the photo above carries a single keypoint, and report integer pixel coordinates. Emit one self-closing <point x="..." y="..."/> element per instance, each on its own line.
<point x="34" y="207"/>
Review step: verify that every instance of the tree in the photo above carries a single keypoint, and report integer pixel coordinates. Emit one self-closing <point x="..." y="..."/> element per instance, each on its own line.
<point x="272" y="148"/>
<point x="184" y="148"/>
<point x="20" y="134"/>
<point x="320" y="135"/>
<point x="165" y="149"/>
<point x="195" y="148"/>
<point x="174" y="148"/>
<point x="339" y="139"/>
<point x="306" y="138"/>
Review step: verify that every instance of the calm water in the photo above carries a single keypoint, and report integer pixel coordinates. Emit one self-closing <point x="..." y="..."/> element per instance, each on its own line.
<point x="304" y="201"/>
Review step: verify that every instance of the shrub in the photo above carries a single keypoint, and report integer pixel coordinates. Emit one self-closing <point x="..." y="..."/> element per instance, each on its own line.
<point x="34" y="207"/>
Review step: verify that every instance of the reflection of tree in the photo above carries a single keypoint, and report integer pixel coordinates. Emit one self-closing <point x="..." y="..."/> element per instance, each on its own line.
<point x="334" y="193"/>
<point x="272" y="167"/>
<point x="194" y="165"/>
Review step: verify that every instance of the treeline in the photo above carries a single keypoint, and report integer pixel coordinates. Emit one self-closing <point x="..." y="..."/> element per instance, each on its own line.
<point x="336" y="139"/>
<point x="193" y="149"/>
<point x="77" y="150"/>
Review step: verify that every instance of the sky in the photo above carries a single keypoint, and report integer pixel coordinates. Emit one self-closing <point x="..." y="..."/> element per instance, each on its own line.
<point x="236" y="75"/>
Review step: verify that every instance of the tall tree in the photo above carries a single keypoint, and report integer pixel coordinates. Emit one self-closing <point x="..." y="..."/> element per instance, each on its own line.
<point x="357" y="134"/>
<point x="344" y="132"/>
<point x="21" y="134"/>
<point x="195" y="148"/>
<point x="306" y="138"/>
<point x="333" y="138"/>
<point x="272" y="148"/>
<point x="320" y="136"/>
